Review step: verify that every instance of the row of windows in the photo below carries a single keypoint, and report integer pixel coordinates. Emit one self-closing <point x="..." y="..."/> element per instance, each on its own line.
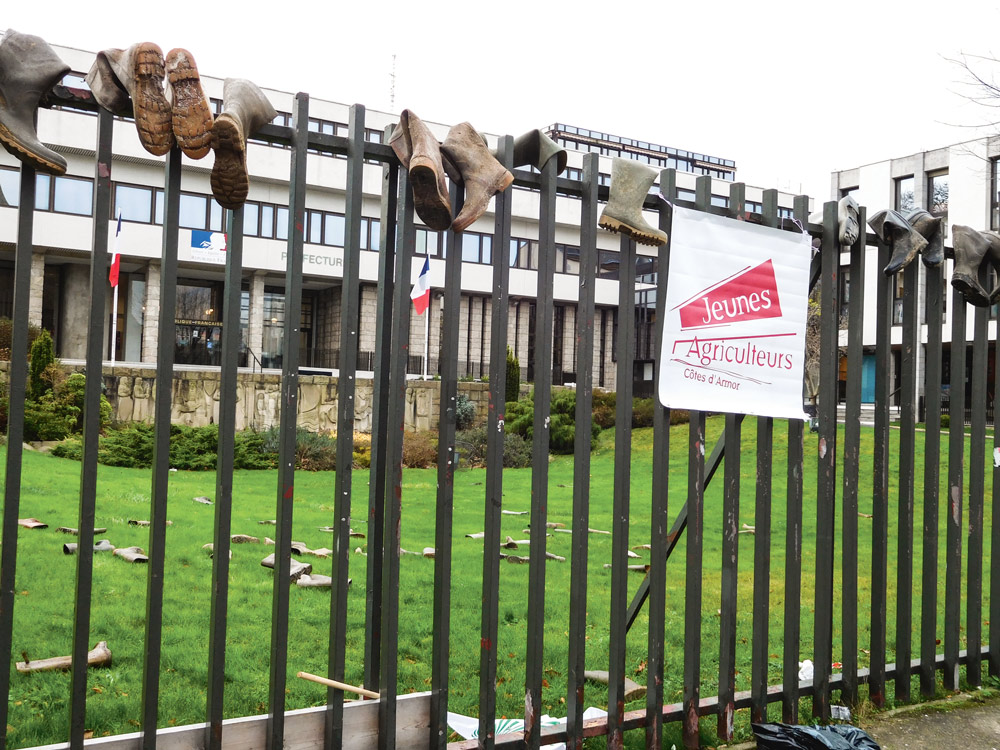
<point x="665" y="162"/>
<point x="904" y="198"/>
<point x="557" y="128"/>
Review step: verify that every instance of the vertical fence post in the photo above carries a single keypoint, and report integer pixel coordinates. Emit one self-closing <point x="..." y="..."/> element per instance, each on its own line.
<point x="659" y="511"/>
<point x="621" y="493"/>
<point x="91" y="429"/>
<point x="287" y="428"/>
<point x="17" y="387"/>
<point x="405" y="242"/>
<point x="907" y="470"/>
<point x="494" y="457"/>
<point x="826" y="489"/>
<point x="224" y="477"/>
<point x="956" y="479"/>
<point x="793" y="547"/>
<point x="932" y="480"/>
<point x="977" y="490"/>
<point x="446" y="480"/>
<point x="994" y="612"/>
<point x="380" y="418"/>
<point x="880" y="481"/>
<point x="347" y="366"/>
<point x="540" y="457"/>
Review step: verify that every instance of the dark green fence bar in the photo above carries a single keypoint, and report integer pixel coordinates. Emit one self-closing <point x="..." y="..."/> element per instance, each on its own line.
<point x="91" y="432"/>
<point x="956" y="478"/>
<point x="880" y="481"/>
<point x="994" y="612"/>
<point x="977" y="491"/>
<point x="540" y="457"/>
<point x="494" y="455"/>
<point x="287" y="432"/>
<point x="17" y="390"/>
<point x="932" y="477"/>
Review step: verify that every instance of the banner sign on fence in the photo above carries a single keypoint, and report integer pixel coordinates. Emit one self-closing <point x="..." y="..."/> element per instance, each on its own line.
<point x="735" y="325"/>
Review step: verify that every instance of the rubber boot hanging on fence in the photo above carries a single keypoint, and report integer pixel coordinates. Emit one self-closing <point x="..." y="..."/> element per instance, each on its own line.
<point x="903" y="240"/>
<point x="931" y="229"/>
<point x="245" y="110"/>
<point x="847" y="221"/>
<point x="420" y="153"/>
<point x="535" y="148"/>
<point x="630" y="183"/>
<point x="28" y="69"/>
<point x="972" y="247"/>
<point x="137" y="74"/>
<point x="481" y="174"/>
<point x="190" y="113"/>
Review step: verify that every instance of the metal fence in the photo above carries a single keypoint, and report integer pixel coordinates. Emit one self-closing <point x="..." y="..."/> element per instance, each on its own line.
<point x="390" y="362"/>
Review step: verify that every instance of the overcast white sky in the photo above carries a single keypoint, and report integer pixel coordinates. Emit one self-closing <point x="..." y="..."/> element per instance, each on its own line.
<point x="789" y="90"/>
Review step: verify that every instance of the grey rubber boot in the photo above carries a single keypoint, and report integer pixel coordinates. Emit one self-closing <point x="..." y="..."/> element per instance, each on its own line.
<point x="138" y="72"/>
<point x="482" y="175"/>
<point x="245" y="110"/>
<point x="420" y="154"/>
<point x="847" y="220"/>
<point x="630" y="183"/>
<point x="971" y="248"/>
<point x="929" y="227"/>
<point x="190" y="113"/>
<point x="903" y="240"/>
<point x="534" y="148"/>
<point x="28" y="69"/>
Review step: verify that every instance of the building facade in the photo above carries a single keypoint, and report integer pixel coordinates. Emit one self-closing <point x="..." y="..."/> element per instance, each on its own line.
<point x="63" y="231"/>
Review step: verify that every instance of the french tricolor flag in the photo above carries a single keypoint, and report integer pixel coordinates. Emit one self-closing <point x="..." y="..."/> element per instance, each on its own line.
<point x="421" y="292"/>
<point x="116" y="260"/>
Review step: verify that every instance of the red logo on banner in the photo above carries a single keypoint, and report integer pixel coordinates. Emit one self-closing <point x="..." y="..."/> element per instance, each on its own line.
<point x="751" y="294"/>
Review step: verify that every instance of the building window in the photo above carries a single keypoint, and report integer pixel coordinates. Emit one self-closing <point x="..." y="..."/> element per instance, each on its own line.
<point x="844" y="192"/>
<point x="63" y="194"/>
<point x="134" y="203"/>
<point x="10" y="182"/>
<point x="994" y="194"/>
<point x="904" y="199"/>
<point x="477" y="247"/>
<point x="937" y="192"/>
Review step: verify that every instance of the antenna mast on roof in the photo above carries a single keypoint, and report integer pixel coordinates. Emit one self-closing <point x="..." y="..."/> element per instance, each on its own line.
<point x="392" y="86"/>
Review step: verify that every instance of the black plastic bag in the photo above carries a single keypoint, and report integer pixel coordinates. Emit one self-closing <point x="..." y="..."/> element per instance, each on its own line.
<point x="797" y="737"/>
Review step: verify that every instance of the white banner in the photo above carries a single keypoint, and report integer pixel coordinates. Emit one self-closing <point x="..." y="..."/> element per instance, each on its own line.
<point x="735" y="317"/>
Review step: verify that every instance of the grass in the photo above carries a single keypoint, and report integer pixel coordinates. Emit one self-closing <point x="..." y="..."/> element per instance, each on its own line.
<point x="46" y="580"/>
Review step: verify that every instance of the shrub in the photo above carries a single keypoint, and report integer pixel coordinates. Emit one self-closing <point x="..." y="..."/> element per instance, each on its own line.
<point x="680" y="416"/>
<point x="516" y="452"/>
<point x="419" y="450"/>
<point x="946" y="420"/>
<point x="42" y="356"/>
<point x="642" y="412"/>
<point x="6" y="335"/>
<point x="562" y="423"/>
<point x="59" y="412"/>
<point x="465" y="412"/>
<point x="512" y="390"/>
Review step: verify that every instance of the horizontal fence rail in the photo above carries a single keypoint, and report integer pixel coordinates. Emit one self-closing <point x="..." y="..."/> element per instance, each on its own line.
<point x="810" y="591"/>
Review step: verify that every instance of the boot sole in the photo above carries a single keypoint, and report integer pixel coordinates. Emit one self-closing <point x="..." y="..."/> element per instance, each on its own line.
<point x="191" y="117"/>
<point x="432" y="207"/>
<point x="33" y="158"/>
<point x="230" y="182"/>
<point x="643" y="238"/>
<point x="152" y="111"/>
<point x="974" y="294"/>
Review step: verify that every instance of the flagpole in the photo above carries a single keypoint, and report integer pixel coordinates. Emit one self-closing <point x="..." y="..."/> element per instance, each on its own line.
<point x="427" y="339"/>
<point x="114" y="324"/>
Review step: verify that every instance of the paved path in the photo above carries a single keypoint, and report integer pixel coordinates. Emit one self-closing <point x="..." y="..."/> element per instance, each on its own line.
<point x="960" y="722"/>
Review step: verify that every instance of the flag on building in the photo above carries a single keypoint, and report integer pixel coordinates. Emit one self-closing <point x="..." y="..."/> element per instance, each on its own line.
<point x="421" y="292"/>
<point x="116" y="260"/>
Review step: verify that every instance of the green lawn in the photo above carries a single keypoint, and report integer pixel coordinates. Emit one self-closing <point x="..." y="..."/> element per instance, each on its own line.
<point x="45" y="586"/>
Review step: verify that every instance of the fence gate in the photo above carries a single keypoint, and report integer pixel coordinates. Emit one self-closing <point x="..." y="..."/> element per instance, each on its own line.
<point x="727" y="610"/>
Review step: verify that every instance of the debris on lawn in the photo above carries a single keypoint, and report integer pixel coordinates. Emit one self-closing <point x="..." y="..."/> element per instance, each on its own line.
<point x="203" y="500"/>
<point x="244" y="539"/>
<point x="798" y="737"/>
<point x="31" y="523"/>
<point x="315" y="580"/>
<point x="131" y="554"/>
<point x="633" y="690"/>
<point x="748" y="529"/>
<point x="295" y="570"/>
<point x="429" y="552"/>
<point x="210" y="548"/>
<point x="99" y="656"/>
<point x="636" y="568"/>
<point x="104" y="545"/>
<point x="269" y="522"/>
<point x="137" y="522"/>
<point x="477" y="535"/>
<point x="514" y="512"/>
<point x="75" y="532"/>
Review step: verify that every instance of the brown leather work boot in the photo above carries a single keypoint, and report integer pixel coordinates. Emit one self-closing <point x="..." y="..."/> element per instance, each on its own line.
<point x="420" y="154"/>
<point x="191" y="116"/>
<point x="138" y="73"/>
<point x="28" y="69"/>
<point x="482" y="174"/>
<point x="245" y="110"/>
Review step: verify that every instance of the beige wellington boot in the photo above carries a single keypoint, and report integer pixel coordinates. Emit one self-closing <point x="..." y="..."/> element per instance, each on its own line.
<point x="630" y="183"/>
<point x="28" y="69"/>
<point x="245" y="110"/>
<point x="137" y="73"/>
<point x="191" y="115"/>
<point x="420" y="153"/>
<point x="482" y="174"/>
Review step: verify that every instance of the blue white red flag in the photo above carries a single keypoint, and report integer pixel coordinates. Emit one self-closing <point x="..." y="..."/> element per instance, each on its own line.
<point x="116" y="260"/>
<point x="421" y="292"/>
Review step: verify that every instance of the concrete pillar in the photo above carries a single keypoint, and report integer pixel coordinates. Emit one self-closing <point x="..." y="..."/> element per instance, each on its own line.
<point x="151" y="314"/>
<point x="74" y="312"/>
<point x="37" y="285"/>
<point x="255" y="325"/>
